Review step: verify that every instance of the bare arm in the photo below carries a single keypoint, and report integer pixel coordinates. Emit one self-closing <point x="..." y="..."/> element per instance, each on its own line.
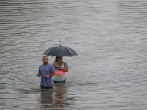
<point x="38" y="74"/>
<point x="65" y="68"/>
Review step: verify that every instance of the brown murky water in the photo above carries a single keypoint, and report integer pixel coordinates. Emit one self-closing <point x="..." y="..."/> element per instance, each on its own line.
<point x="110" y="37"/>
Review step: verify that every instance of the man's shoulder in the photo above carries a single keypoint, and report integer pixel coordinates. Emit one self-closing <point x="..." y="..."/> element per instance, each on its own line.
<point x="40" y="65"/>
<point x="50" y="64"/>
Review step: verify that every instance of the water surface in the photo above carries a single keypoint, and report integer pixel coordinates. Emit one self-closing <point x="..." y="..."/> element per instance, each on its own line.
<point x="109" y="36"/>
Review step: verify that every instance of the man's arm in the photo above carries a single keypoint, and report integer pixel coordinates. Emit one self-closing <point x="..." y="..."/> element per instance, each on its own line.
<point x="38" y="74"/>
<point x="49" y="75"/>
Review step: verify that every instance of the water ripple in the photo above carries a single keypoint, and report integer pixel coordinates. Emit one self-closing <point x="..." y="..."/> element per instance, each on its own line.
<point x="109" y="37"/>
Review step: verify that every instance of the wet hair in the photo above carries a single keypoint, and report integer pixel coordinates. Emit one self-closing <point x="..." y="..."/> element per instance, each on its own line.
<point x="58" y="57"/>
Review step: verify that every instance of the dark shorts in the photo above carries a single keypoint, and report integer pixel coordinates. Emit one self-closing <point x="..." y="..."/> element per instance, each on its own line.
<point x="42" y="87"/>
<point x="59" y="81"/>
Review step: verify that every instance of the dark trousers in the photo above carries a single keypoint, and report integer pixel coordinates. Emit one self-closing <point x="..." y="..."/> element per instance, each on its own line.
<point x="42" y="87"/>
<point x="59" y="81"/>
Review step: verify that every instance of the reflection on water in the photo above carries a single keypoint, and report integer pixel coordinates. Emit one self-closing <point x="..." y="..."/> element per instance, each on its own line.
<point x="47" y="99"/>
<point x="55" y="99"/>
<point x="60" y="96"/>
<point x="109" y="37"/>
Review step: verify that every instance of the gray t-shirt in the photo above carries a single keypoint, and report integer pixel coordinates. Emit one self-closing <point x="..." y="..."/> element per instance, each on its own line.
<point x="45" y="70"/>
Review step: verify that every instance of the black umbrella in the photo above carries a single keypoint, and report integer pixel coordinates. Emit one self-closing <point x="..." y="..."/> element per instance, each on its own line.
<point x="60" y="51"/>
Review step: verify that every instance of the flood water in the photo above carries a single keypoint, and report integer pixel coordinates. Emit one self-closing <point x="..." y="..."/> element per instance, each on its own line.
<point x="110" y="37"/>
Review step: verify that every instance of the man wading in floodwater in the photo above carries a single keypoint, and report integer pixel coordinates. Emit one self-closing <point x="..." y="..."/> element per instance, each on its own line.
<point x="46" y="71"/>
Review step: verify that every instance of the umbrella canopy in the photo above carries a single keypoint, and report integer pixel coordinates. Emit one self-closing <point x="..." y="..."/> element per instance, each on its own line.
<point x="60" y="51"/>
